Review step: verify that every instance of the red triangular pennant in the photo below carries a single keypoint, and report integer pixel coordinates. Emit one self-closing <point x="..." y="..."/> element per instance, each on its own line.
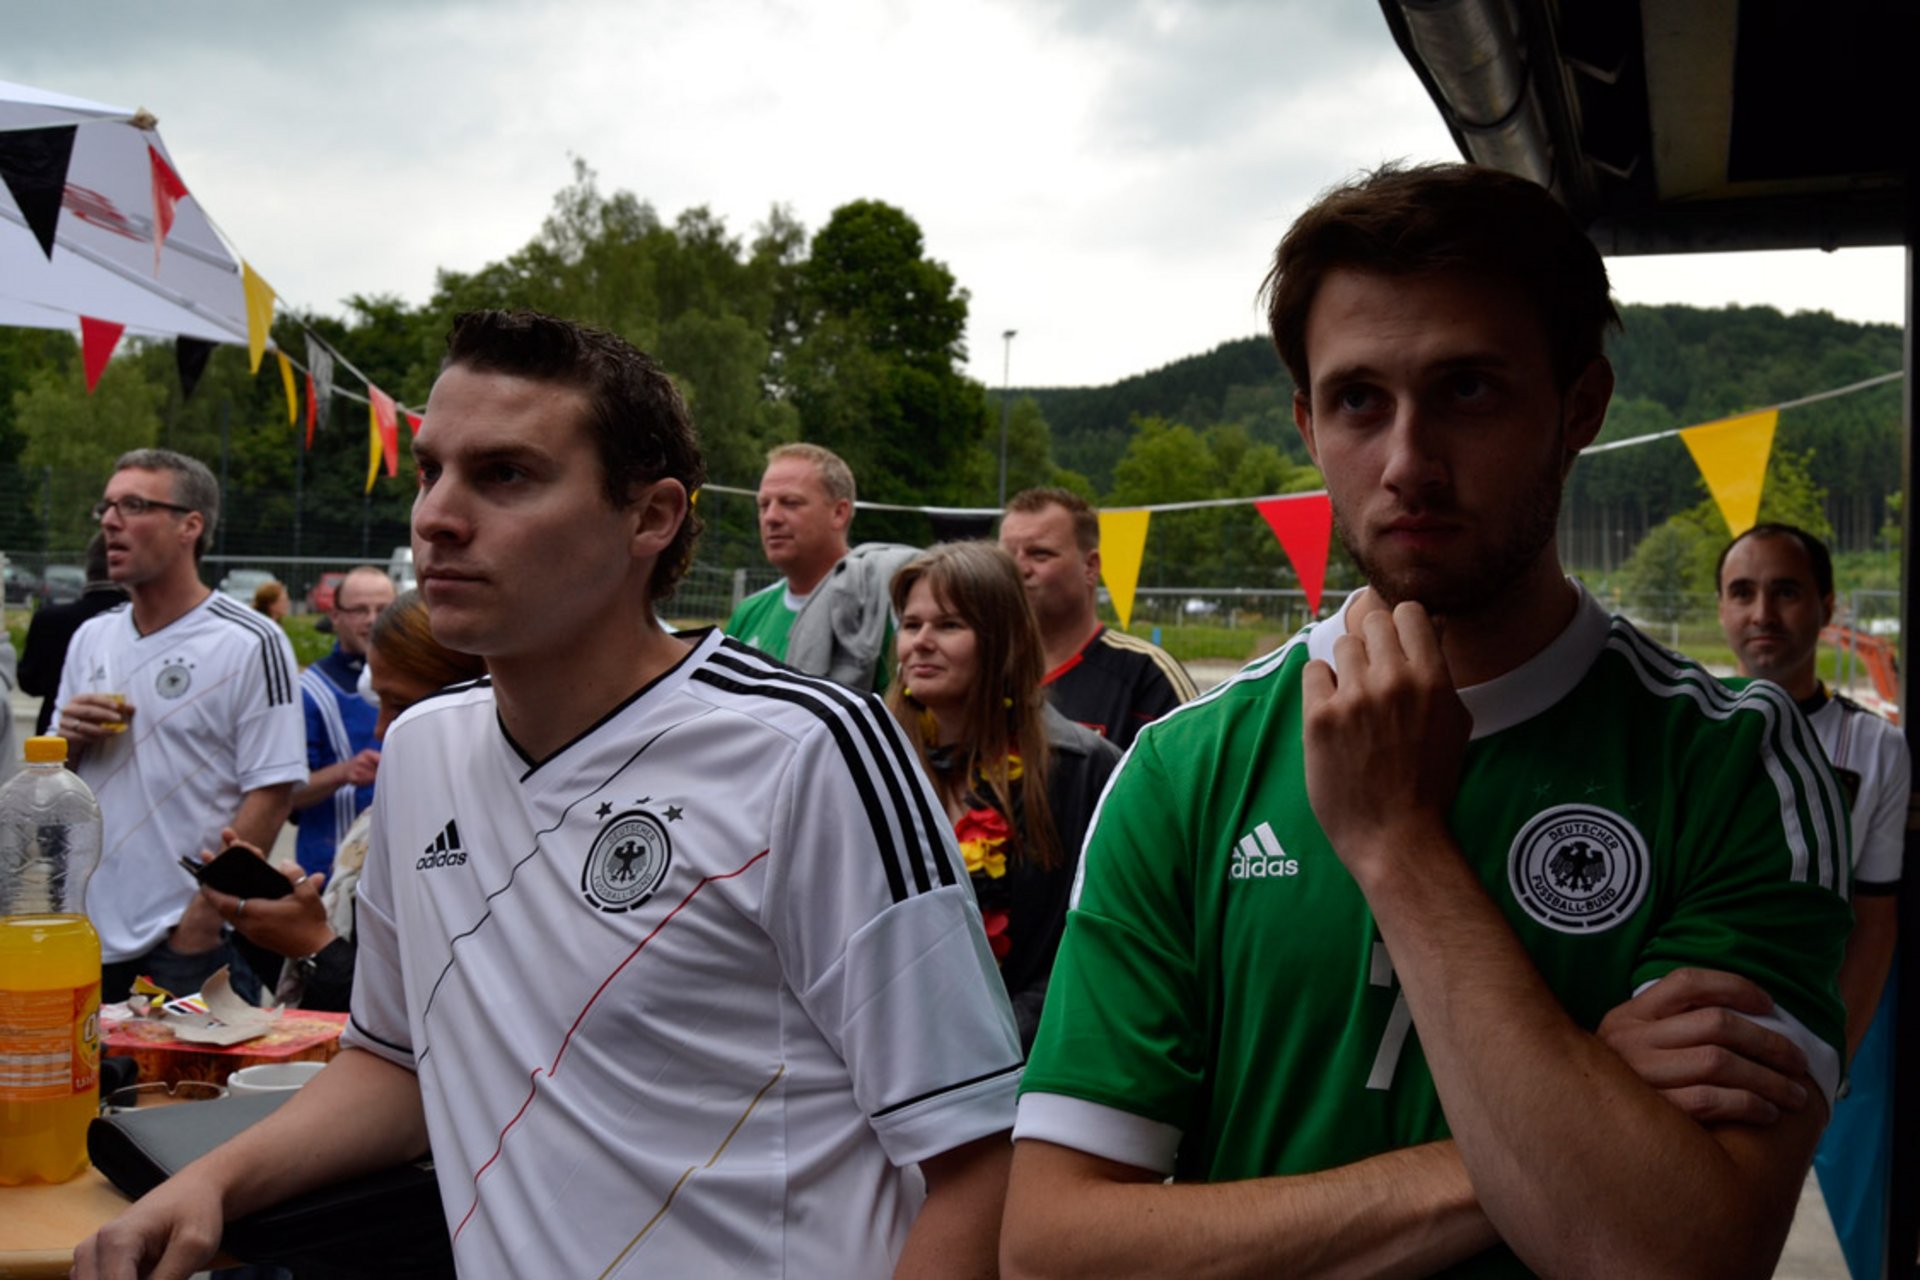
<point x="1304" y="525"/>
<point x="384" y="414"/>
<point x="313" y="409"/>
<point x="168" y="191"/>
<point x="98" y="338"/>
<point x="33" y="163"/>
<point x="413" y="423"/>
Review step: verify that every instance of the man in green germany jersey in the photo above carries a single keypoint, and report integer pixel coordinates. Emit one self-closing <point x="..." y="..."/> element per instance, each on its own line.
<point x="1350" y="927"/>
<point x="806" y="501"/>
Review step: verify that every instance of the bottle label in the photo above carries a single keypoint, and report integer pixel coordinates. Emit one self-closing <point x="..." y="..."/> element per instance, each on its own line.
<point x="49" y="1042"/>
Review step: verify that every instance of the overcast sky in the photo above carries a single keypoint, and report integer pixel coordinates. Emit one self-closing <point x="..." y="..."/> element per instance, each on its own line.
<point x="1107" y="178"/>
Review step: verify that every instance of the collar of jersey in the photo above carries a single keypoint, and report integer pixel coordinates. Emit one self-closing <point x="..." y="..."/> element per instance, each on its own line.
<point x="1523" y="692"/>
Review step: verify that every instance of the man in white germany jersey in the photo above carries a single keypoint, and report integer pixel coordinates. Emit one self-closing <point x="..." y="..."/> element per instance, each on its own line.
<point x="1775" y="588"/>
<point x="183" y="715"/>
<point x="665" y="947"/>
<point x="1355" y="932"/>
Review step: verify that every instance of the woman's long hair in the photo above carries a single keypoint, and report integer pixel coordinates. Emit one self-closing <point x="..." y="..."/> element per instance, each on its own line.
<point x="1005" y="710"/>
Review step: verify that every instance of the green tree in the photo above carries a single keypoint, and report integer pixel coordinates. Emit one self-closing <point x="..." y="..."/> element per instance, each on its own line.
<point x="872" y="360"/>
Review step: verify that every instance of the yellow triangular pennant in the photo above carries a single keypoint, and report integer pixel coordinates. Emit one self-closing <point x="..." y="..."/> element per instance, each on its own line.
<point x="259" y="313"/>
<point x="1123" y="545"/>
<point x="286" y="380"/>
<point x="373" y="446"/>
<point x="1732" y="457"/>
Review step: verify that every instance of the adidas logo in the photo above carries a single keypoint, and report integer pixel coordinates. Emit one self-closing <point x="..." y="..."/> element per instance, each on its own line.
<point x="1259" y="857"/>
<point x="445" y="851"/>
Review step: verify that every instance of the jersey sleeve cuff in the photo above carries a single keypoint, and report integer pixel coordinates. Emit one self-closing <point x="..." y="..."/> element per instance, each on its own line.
<point x="925" y="1127"/>
<point x="1823" y="1060"/>
<point x="294" y="771"/>
<point x="1098" y="1130"/>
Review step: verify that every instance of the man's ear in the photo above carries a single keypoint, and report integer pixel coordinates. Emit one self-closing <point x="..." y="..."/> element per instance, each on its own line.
<point x="659" y="508"/>
<point x="842" y="512"/>
<point x="1826" y="608"/>
<point x="1303" y="419"/>
<point x="1093" y="569"/>
<point x="1584" y="407"/>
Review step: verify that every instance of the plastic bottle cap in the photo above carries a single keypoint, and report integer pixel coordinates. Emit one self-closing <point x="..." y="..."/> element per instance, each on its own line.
<point x="47" y="749"/>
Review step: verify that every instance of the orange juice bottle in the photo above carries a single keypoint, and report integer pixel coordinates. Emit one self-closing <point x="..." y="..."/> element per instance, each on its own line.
<point x="49" y="969"/>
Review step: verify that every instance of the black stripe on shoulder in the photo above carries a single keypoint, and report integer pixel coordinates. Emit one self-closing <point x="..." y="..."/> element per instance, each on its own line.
<point x="845" y="713"/>
<point x="875" y="722"/>
<point x="273" y="658"/>
<point x="951" y="1088"/>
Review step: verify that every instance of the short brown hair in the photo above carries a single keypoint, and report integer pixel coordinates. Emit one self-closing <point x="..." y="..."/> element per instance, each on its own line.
<point x="1446" y="218"/>
<point x="1086" y="521"/>
<point x="637" y="420"/>
<point x="835" y="475"/>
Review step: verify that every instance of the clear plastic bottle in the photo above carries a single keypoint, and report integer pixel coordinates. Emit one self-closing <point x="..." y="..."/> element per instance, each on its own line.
<point x="49" y="969"/>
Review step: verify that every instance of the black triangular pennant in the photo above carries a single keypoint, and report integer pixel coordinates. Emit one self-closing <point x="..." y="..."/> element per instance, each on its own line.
<point x="34" y="164"/>
<point x="190" y="354"/>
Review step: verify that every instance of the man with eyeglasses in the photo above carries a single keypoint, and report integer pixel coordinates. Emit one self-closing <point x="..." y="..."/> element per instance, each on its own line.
<point x="181" y="711"/>
<point x="341" y="755"/>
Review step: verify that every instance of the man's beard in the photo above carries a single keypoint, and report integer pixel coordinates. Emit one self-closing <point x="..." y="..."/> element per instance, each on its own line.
<point x="1478" y="586"/>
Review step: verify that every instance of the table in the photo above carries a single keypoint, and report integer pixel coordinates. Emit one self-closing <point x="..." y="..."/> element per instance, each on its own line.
<point x="40" y="1224"/>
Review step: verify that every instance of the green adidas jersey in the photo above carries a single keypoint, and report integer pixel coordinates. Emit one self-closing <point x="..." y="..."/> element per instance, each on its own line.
<point x="1222" y="979"/>
<point x="764" y="620"/>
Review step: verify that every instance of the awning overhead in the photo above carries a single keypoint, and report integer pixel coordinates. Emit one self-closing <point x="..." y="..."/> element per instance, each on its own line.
<point x="1702" y="125"/>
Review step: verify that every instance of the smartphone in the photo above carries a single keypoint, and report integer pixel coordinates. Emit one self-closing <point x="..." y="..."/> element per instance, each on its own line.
<point x="240" y="872"/>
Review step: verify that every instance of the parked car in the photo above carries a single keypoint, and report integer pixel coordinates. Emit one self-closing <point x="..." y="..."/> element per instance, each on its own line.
<point x="242" y="583"/>
<point x="22" y="586"/>
<point x="63" y="583"/>
<point x="320" y="595"/>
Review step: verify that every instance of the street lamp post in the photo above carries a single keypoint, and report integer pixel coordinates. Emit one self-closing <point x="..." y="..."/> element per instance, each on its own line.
<point x="1006" y="385"/>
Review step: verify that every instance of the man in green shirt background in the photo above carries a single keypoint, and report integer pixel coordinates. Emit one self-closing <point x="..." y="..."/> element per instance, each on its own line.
<point x="829" y="615"/>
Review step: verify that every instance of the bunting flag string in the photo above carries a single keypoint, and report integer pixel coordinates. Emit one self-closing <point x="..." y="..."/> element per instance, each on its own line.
<point x="98" y="338"/>
<point x="1304" y="526"/>
<point x="1123" y="548"/>
<point x="286" y="380"/>
<point x="384" y="430"/>
<point x="319" y="384"/>
<point x="259" y="313"/>
<point x="168" y="191"/>
<point x="33" y="163"/>
<point x="190" y="359"/>
<point x="1732" y="456"/>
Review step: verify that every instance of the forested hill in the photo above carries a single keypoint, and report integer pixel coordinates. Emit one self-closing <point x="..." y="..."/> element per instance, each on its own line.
<point x="1675" y="366"/>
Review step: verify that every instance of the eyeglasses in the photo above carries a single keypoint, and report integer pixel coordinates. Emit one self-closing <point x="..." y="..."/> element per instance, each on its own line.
<point x="133" y="507"/>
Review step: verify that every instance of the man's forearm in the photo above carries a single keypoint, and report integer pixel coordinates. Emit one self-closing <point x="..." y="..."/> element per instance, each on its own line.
<point x="957" y="1233"/>
<point x="1404" y="1213"/>
<point x="320" y="785"/>
<point x="1546" y="1116"/>
<point x="263" y="812"/>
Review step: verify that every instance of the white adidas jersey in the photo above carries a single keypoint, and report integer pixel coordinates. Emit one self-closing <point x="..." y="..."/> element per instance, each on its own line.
<point x="690" y="997"/>
<point x="216" y="715"/>
<point x="1869" y="755"/>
